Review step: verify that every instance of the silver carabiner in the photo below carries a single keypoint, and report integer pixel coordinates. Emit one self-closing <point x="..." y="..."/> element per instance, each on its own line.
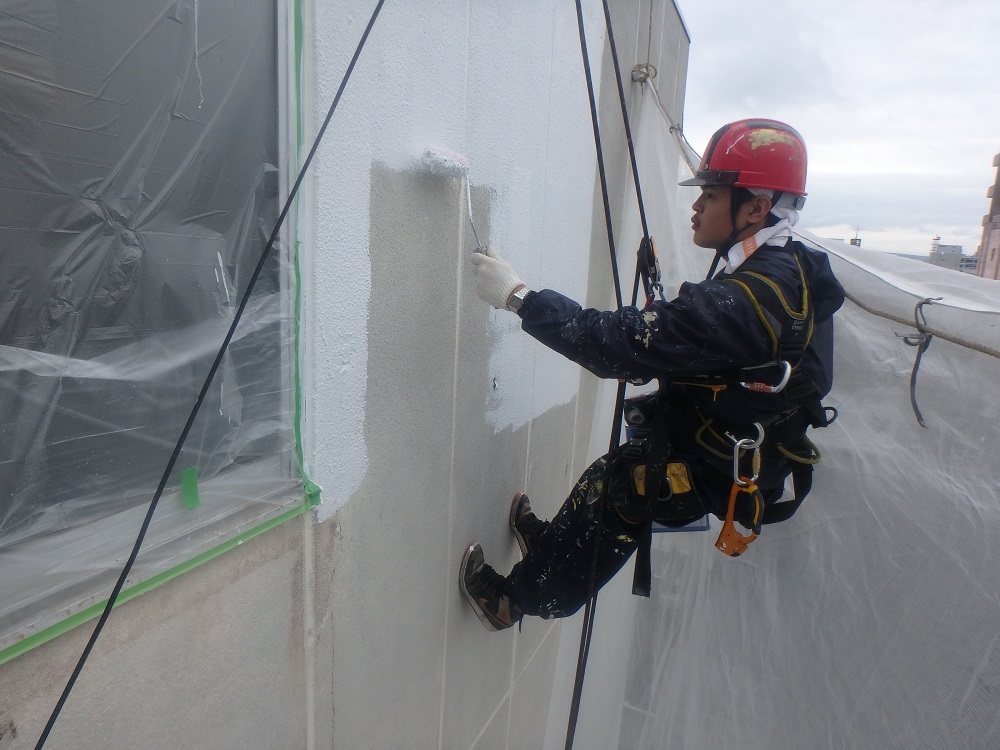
<point x="742" y="444"/>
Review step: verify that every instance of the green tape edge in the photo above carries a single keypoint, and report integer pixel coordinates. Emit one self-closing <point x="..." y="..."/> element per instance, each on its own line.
<point x="189" y="488"/>
<point x="94" y="611"/>
<point x="312" y="490"/>
<point x="299" y="25"/>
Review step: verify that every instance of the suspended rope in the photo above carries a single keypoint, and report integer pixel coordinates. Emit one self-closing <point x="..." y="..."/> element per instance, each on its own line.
<point x="589" y="608"/>
<point x="989" y="350"/>
<point x="922" y="340"/>
<point x="647" y="266"/>
<point x="175" y="454"/>
<point x="625" y="121"/>
<point x="646" y="256"/>
<point x="600" y="154"/>
<point x="644" y="73"/>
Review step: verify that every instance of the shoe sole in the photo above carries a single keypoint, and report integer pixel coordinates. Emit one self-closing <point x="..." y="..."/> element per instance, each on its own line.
<point x="512" y="517"/>
<point x="463" y="572"/>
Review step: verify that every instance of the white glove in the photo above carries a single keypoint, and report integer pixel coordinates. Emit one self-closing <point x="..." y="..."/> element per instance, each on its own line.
<point x="496" y="280"/>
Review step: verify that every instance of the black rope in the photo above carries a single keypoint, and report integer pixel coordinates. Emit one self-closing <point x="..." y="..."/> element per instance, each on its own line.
<point x="625" y="120"/>
<point x="631" y="147"/>
<point x="922" y="340"/>
<point x="591" y="605"/>
<point x="646" y="261"/>
<point x="586" y="635"/>
<point x="600" y="152"/>
<point x="119" y="585"/>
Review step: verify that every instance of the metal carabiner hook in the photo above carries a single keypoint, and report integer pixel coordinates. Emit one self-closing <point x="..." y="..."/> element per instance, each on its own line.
<point x="741" y="444"/>
<point x="766" y="387"/>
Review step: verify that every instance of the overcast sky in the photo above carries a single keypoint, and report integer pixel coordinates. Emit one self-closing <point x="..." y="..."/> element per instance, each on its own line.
<point x="898" y="102"/>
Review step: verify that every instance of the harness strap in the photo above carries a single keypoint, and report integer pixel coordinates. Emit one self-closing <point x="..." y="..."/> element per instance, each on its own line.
<point x="790" y="331"/>
<point x="801" y="485"/>
<point x="657" y="451"/>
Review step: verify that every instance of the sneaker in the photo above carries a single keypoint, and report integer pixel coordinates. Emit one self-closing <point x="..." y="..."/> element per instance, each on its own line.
<point x="527" y="527"/>
<point x="482" y="586"/>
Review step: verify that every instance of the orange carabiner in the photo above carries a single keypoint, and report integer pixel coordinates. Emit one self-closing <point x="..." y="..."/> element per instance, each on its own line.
<point x="731" y="541"/>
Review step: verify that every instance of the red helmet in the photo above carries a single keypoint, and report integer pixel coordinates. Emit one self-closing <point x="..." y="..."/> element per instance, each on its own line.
<point x="756" y="153"/>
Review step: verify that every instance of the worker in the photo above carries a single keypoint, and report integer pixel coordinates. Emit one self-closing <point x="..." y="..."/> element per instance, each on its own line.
<point x="742" y="360"/>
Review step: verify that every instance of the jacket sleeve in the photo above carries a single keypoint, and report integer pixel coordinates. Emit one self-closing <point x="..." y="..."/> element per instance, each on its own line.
<point x="709" y="328"/>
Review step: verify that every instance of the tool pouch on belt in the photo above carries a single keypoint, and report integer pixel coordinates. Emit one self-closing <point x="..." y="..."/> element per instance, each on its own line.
<point x="677" y="502"/>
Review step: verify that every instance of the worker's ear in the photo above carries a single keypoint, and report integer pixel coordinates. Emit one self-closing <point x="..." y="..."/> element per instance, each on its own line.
<point x="756" y="209"/>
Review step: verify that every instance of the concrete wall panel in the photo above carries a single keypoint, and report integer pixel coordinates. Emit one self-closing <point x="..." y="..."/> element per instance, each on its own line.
<point x="426" y="411"/>
<point x="214" y="659"/>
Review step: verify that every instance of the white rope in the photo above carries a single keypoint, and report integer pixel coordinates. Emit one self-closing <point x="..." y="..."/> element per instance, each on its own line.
<point x="644" y="74"/>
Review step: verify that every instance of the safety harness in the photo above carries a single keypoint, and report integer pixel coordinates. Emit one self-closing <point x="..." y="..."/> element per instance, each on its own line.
<point x="790" y="331"/>
<point x="778" y="447"/>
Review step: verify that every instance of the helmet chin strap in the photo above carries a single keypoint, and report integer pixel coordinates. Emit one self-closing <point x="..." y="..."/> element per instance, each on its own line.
<point x="724" y="246"/>
<point x="715" y="264"/>
<point x="738" y="196"/>
<point x="732" y="239"/>
<point x="722" y="251"/>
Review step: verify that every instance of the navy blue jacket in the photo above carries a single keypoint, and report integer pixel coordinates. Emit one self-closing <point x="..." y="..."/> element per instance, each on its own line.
<point x="710" y="328"/>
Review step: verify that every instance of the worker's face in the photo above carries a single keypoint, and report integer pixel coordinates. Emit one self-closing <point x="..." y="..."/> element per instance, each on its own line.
<point x="712" y="221"/>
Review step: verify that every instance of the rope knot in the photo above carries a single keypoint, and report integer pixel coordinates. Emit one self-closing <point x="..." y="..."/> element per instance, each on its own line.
<point x="922" y="340"/>
<point x="642" y="72"/>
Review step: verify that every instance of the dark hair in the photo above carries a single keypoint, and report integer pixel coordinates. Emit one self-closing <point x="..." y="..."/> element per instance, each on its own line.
<point x="737" y="197"/>
<point x="741" y="195"/>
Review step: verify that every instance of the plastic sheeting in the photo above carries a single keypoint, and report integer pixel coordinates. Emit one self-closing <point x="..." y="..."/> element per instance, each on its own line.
<point x="868" y="620"/>
<point x="138" y="188"/>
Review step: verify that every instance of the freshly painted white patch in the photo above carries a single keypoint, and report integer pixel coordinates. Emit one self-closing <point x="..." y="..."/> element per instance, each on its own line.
<point x="535" y="150"/>
<point x="387" y="114"/>
<point x="506" y="91"/>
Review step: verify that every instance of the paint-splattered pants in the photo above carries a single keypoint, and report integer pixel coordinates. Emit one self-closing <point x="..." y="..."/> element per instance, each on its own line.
<point x="553" y="578"/>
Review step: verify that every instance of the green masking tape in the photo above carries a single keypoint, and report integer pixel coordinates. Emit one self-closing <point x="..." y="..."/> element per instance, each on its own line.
<point x="189" y="488"/>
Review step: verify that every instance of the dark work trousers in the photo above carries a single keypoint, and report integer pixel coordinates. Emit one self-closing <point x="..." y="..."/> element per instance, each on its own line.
<point x="553" y="578"/>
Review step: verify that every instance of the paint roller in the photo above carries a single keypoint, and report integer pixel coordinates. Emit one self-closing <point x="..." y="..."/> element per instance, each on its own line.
<point x="447" y="163"/>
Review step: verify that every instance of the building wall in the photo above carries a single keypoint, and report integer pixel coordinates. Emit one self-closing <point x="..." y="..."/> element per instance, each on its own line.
<point x="460" y="408"/>
<point x="989" y="254"/>
<point x="989" y="248"/>
<point x="424" y="410"/>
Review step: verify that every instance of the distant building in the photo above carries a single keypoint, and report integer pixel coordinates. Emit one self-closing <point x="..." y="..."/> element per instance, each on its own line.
<point x="989" y="249"/>
<point x="969" y="264"/>
<point x="951" y="256"/>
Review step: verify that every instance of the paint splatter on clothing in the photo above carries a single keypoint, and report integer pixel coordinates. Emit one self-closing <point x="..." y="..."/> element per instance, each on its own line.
<point x="552" y="579"/>
<point x="711" y="328"/>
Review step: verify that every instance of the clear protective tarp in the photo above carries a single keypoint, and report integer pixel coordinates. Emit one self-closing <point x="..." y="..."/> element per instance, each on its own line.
<point x="138" y="186"/>
<point x="868" y="620"/>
